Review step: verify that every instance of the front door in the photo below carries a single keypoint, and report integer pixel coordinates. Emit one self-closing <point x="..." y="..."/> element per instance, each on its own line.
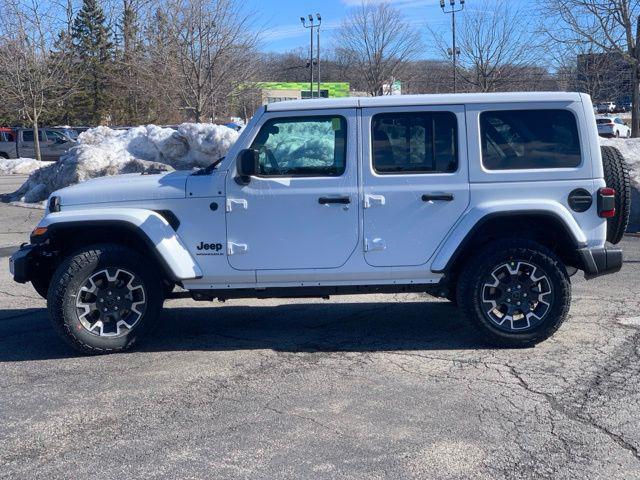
<point x="301" y="210"/>
<point x="415" y="176"/>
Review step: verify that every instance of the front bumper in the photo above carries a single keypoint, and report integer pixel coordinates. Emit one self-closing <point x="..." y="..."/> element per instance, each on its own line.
<point x="23" y="263"/>
<point x="600" y="261"/>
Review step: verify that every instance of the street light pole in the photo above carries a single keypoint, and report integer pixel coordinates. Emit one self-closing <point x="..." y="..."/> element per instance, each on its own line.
<point x="311" y="26"/>
<point x="318" y="54"/>
<point x="454" y="50"/>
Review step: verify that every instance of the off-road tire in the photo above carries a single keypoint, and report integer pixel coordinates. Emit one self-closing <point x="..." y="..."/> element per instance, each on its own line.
<point x="71" y="275"/>
<point x="471" y="281"/>
<point x="616" y="175"/>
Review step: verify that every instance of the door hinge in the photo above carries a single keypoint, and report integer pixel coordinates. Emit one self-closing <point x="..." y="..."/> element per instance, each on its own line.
<point x="236" y="201"/>
<point x="375" y="244"/>
<point x="372" y="200"/>
<point x="236" y="248"/>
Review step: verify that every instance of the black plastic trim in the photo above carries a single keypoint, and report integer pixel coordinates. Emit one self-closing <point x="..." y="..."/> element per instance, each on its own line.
<point x="301" y="291"/>
<point x="22" y="261"/>
<point x="54" y="204"/>
<point x="521" y="213"/>
<point x="600" y="261"/>
<point x="170" y="217"/>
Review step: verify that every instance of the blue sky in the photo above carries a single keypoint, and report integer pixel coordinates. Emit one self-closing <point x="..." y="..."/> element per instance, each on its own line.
<point x="283" y="30"/>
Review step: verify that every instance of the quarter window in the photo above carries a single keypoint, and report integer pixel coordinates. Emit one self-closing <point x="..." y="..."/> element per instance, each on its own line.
<point x="302" y="146"/>
<point x="529" y="139"/>
<point x="416" y="142"/>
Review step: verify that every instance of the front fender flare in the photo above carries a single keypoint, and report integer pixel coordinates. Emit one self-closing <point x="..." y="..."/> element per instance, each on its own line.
<point x="474" y="218"/>
<point x="152" y="227"/>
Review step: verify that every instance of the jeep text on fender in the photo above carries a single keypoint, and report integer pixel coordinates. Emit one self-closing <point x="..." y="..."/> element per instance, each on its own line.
<point x="489" y="200"/>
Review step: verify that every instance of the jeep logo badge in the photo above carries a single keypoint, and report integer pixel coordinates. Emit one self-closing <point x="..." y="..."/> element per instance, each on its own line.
<point x="209" y="249"/>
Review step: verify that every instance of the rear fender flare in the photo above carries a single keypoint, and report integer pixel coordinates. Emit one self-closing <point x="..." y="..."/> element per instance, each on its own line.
<point x="464" y="230"/>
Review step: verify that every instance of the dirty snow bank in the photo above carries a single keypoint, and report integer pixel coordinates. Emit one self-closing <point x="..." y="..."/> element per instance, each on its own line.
<point x="104" y="151"/>
<point x="21" y="166"/>
<point x="630" y="149"/>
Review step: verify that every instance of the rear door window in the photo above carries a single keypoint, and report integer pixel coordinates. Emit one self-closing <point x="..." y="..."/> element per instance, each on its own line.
<point x="529" y="139"/>
<point x="415" y="142"/>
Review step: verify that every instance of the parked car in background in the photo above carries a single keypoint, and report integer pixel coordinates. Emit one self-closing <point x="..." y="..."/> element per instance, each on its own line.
<point x="7" y="138"/>
<point x="606" y="107"/>
<point x="612" y="127"/>
<point x="21" y="143"/>
<point x="66" y="130"/>
<point x="624" y="107"/>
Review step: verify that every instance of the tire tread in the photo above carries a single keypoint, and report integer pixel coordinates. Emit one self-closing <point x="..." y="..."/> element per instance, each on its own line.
<point x="58" y="289"/>
<point x="616" y="174"/>
<point x="522" y="249"/>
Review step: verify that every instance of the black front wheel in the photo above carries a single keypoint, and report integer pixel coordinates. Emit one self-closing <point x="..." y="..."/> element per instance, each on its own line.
<point x="103" y="298"/>
<point x="517" y="292"/>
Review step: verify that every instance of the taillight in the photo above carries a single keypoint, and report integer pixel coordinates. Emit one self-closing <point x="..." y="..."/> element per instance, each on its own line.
<point x="606" y="202"/>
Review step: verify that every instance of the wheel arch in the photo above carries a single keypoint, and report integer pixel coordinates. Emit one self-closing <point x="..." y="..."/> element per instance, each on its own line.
<point x="147" y="232"/>
<point x="545" y="227"/>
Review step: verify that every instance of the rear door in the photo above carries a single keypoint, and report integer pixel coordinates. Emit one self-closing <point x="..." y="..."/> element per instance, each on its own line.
<point x="415" y="177"/>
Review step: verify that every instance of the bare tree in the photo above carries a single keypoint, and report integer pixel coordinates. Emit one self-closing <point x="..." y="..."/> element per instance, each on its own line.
<point x="376" y="41"/>
<point x="495" y="45"/>
<point x="30" y="73"/>
<point x="215" y="48"/>
<point x="610" y="26"/>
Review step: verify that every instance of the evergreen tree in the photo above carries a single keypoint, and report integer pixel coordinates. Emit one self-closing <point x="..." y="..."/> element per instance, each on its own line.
<point x="93" y="50"/>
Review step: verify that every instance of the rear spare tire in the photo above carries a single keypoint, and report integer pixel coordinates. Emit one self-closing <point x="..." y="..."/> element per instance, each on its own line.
<point x="616" y="174"/>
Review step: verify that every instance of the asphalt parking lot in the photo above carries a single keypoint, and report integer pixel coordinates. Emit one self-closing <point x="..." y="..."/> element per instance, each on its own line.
<point x="358" y="387"/>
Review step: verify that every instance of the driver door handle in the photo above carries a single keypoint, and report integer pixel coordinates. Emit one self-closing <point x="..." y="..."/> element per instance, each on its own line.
<point x="338" y="200"/>
<point x="442" y="197"/>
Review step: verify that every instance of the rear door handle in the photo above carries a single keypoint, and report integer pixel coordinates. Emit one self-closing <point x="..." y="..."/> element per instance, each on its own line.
<point x="339" y="200"/>
<point x="437" y="197"/>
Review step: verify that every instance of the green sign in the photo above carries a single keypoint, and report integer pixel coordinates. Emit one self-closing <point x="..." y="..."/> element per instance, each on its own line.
<point x="335" y="89"/>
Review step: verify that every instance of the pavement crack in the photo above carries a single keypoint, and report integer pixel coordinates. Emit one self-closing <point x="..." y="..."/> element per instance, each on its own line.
<point x="8" y="294"/>
<point x="556" y="406"/>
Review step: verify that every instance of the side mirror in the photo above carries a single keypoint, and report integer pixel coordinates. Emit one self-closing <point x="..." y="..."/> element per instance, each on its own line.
<point x="246" y="165"/>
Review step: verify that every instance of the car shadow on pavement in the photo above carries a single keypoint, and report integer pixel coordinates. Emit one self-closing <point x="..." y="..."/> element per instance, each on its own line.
<point x="297" y="327"/>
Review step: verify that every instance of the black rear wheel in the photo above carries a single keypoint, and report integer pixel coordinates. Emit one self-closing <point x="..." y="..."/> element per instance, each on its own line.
<point x="516" y="292"/>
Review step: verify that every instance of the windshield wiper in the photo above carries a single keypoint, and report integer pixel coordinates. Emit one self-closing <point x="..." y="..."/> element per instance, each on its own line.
<point x="208" y="170"/>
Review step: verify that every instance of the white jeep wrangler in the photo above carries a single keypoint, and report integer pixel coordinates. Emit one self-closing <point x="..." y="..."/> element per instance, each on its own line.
<point x="490" y="200"/>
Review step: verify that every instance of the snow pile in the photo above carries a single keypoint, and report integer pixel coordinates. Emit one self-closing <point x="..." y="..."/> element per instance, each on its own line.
<point x="630" y="149"/>
<point x="21" y="166"/>
<point x="104" y="151"/>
